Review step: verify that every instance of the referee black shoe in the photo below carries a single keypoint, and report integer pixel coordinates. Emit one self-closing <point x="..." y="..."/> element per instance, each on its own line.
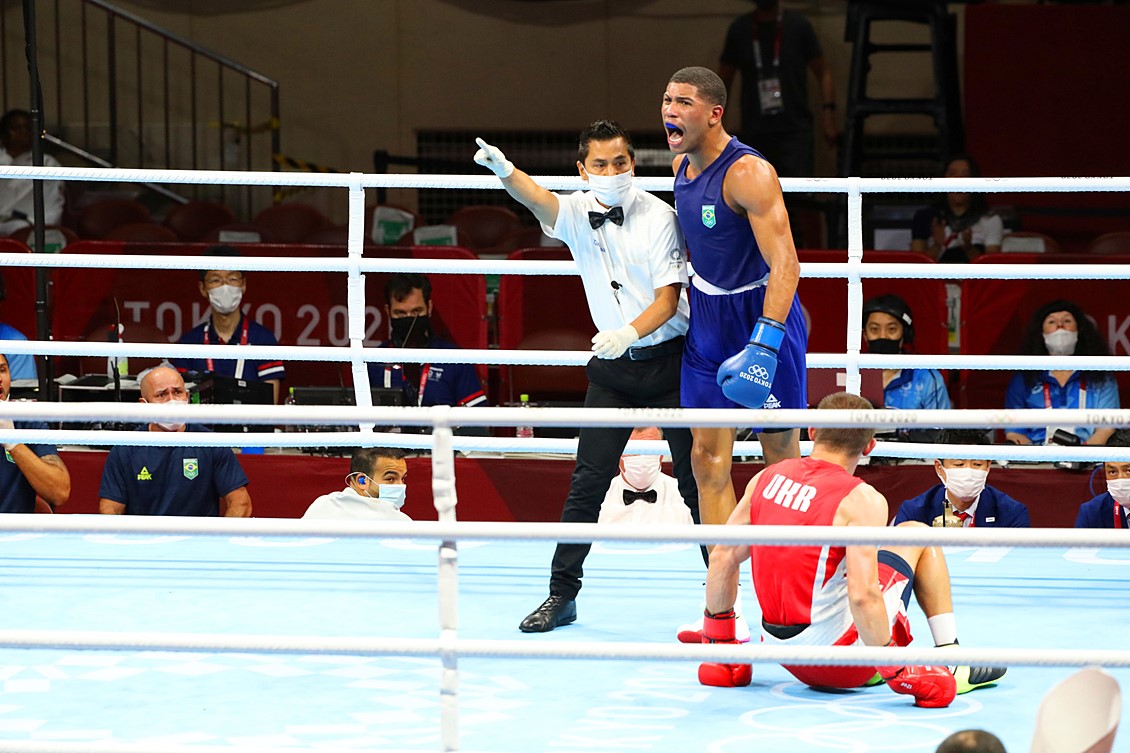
<point x="553" y="613"/>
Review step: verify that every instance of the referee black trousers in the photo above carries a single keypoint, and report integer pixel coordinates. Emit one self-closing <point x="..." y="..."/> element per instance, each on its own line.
<point x="619" y="383"/>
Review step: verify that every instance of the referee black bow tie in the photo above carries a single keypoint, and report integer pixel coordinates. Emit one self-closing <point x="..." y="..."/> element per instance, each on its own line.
<point x="616" y="214"/>
<point x="631" y="495"/>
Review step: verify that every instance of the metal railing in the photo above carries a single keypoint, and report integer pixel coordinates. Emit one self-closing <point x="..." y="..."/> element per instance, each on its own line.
<point x="121" y="91"/>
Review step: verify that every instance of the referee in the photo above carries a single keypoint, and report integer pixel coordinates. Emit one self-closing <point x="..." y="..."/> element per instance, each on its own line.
<point x="632" y="261"/>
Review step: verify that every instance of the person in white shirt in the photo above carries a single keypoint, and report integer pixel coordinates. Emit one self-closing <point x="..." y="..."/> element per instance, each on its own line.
<point x="632" y="260"/>
<point x="16" y="203"/>
<point x="643" y="493"/>
<point x="375" y="488"/>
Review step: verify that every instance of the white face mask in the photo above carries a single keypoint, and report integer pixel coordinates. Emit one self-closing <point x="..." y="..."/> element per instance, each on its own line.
<point x="171" y="425"/>
<point x="611" y="190"/>
<point x="640" y="471"/>
<point x="225" y="299"/>
<point x="393" y="494"/>
<point x="1061" y="342"/>
<point x="964" y="483"/>
<point x="1119" y="488"/>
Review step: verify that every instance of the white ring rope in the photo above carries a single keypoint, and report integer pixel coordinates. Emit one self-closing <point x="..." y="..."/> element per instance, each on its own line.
<point x="569" y="182"/>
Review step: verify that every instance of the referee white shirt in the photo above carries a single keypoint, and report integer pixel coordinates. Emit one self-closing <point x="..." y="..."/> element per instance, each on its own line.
<point x="644" y="254"/>
<point x="668" y="507"/>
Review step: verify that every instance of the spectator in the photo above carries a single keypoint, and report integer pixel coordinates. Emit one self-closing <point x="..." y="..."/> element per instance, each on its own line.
<point x="960" y="227"/>
<point x="963" y="498"/>
<point x="20" y="366"/>
<point x="1060" y="328"/>
<point x="17" y="209"/>
<point x="200" y="481"/>
<point x="374" y="489"/>
<point x="228" y="325"/>
<point x="971" y="741"/>
<point x="29" y="470"/>
<point x="888" y="326"/>
<point x="642" y="493"/>
<point x="771" y="48"/>
<point x="408" y="306"/>
<point x="1109" y="509"/>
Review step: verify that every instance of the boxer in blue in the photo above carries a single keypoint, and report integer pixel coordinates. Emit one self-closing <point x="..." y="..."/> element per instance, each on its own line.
<point x="745" y="277"/>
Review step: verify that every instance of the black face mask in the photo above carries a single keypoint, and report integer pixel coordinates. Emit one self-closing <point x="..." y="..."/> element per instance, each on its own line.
<point x="884" y="346"/>
<point x="411" y="331"/>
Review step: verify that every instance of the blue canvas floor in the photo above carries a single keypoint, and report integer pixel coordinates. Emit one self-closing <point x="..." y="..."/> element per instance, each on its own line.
<point x="633" y="593"/>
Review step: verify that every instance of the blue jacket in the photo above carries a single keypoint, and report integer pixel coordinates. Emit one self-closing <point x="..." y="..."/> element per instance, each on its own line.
<point x="1099" y="513"/>
<point x="995" y="509"/>
<point x="917" y="389"/>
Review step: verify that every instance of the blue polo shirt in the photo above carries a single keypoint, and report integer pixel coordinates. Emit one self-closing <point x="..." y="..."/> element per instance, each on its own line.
<point x="995" y="509"/>
<point x="253" y="370"/>
<point x="171" y="480"/>
<point x="445" y="383"/>
<point x="1099" y="513"/>
<point x="16" y="494"/>
<point x="21" y="365"/>
<point x="1101" y="389"/>
<point x="917" y="389"/>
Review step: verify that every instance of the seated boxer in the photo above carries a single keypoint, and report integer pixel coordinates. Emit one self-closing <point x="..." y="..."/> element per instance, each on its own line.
<point x="834" y="595"/>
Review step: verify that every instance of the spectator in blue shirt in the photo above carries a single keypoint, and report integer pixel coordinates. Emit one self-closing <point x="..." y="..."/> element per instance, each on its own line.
<point x="20" y="366"/>
<point x="408" y="306"/>
<point x="888" y="327"/>
<point x="29" y="470"/>
<point x="228" y="325"/>
<point x="963" y="499"/>
<point x="1109" y="509"/>
<point x="1061" y="328"/>
<point x="197" y="481"/>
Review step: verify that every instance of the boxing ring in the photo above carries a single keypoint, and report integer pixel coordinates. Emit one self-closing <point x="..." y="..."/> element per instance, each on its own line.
<point x="193" y="635"/>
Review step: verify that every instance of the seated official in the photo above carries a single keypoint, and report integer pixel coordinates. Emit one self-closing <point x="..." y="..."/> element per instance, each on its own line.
<point x="1062" y="328"/>
<point x="29" y="470"/>
<point x="196" y="481"/>
<point x="227" y="325"/>
<point x="888" y="326"/>
<point x="963" y="499"/>
<point x="642" y="493"/>
<point x="1109" y="509"/>
<point x="408" y="306"/>
<point x="17" y="201"/>
<point x="375" y="488"/>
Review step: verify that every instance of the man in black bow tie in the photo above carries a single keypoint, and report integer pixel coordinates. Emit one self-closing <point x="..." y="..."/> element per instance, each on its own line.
<point x="632" y="259"/>
<point x="643" y="493"/>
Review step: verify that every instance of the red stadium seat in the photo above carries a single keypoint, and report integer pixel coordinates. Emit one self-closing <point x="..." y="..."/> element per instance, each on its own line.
<point x="192" y="221"/>
<point x="290" y="223"/>
<point x="101" y="217"/>
<point x="149" y="232"/>
<point x="1110" y="243"/>
<point x="484" y="228"/>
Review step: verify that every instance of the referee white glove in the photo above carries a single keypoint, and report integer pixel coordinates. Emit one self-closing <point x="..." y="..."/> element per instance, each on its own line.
<point x="611" y="343"/>
<point x="492" y="158"/>
<point x="6" y="424"/>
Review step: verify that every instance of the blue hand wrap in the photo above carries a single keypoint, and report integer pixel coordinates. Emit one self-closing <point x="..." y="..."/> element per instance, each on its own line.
<point x="768" y="334"/>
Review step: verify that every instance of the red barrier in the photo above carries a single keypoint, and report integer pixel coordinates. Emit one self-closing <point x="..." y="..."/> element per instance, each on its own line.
<point x="995" y="312"/>
<point x="825" y="302"/>
<point x="307" y="308"/>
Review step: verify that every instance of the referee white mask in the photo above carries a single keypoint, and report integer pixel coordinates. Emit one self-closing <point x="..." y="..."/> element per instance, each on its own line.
<point x="611" y="190"/>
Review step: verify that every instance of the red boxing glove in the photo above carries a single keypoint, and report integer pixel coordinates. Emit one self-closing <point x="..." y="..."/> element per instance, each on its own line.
<point x="932" y="687"/>
<point x="719" y="628"/>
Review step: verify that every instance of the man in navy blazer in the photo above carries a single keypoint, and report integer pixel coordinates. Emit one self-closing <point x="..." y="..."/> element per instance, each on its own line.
<point x="963" y="499"/>
<point x="1109" y="509"/>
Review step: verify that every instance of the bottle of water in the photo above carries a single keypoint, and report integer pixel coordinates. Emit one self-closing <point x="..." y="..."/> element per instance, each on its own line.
<point x="524" y="432"/>
<point x="289" y="400"/>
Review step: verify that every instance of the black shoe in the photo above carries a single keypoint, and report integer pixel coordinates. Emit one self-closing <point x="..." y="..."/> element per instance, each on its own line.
<point x="971" y="678"/>
<point x="553" y="612"/>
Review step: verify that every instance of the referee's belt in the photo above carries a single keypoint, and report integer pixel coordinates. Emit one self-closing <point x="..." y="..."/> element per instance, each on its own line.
<point x="665" y="348"/>
<point x="783" y="632"/>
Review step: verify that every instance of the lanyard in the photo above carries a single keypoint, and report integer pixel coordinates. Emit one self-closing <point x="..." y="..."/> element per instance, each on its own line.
<point x="208" y="365"/>
<point x="1117" y="515"/>
<point x="423" y="383"/>
<point x="1082" y="394"/>
<point x="776" y="46"/>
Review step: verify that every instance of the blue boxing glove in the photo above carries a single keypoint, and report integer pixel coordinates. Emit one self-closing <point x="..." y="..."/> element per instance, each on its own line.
<point x="747" y="377"/>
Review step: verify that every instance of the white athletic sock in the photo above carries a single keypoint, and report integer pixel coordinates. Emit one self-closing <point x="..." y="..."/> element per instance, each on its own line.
<point x="944" y="628"/>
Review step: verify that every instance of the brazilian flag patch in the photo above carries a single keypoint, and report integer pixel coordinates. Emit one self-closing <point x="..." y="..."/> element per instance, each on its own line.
<point x="708" y="217"/>
<point x="191" y="468"/>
